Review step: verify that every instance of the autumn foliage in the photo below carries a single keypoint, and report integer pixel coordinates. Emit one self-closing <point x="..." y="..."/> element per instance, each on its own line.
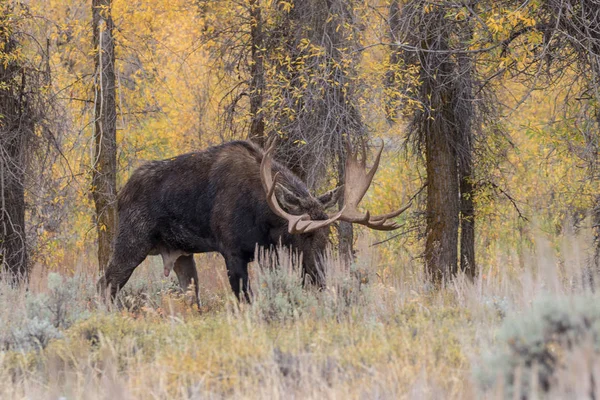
<point x="489" y="112"/>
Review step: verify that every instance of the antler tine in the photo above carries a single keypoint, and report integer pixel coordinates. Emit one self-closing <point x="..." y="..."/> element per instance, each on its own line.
<point x="297" y="224"/>
<point x="363" y="150"/>
<point x="271" y="141"/>
<point x="371" y="173"/>
<point x="352" y="156"/>
<point x="392" y="214"/>
<point x="265" y="169"/>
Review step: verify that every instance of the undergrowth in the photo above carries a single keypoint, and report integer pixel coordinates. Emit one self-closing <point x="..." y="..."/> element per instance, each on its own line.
<point x="376" y="330"/>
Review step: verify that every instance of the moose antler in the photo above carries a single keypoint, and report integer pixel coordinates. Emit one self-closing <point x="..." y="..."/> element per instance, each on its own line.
<point x="296" y="223"/>
<point x="357" y="182"/>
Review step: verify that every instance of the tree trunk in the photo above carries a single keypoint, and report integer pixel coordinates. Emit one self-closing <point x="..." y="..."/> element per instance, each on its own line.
<point x="326" y="115"/>
<point x="391" y="102"/>
<point x="441" y="246"/>
<point x="104" y="172"/>
<point x="257" y="72"/>
<point x="345" y="229"/>
<point x="349" y="123"/>
<point x="464" y="118"/>
<point x="16" y="128"/>
<point x="12" y="175"/>
<point x="439" y="126"/>
<point x="467" y="220"/>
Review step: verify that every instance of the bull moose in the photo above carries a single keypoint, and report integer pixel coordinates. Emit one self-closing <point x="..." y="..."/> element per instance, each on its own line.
<point x="229" y="199"/>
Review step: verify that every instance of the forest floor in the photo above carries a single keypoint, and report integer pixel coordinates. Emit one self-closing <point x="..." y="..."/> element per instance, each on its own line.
<point x="379" y="330"/>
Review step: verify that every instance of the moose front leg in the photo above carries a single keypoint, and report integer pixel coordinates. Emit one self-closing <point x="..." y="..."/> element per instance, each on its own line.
<point x="126" y="257"/>
<point x="237" y="272"/>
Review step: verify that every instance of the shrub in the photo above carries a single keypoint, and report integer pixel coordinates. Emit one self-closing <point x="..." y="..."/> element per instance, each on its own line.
<point x="34" y="333"/>
<point x="278" y="291"/>
<point x="66" y="301"/>
<point x="536" y="350"/>
<point x="348" y="287"/>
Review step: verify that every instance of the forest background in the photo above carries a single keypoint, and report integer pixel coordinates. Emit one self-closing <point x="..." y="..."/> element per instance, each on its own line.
<point x="489" y="115"/>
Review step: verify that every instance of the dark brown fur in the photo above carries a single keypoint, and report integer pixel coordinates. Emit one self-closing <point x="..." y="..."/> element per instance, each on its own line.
<point x="208" y="201"/>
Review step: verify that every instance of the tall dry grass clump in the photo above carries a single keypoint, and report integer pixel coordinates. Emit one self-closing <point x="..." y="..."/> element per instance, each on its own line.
<point x="376" y="330"/>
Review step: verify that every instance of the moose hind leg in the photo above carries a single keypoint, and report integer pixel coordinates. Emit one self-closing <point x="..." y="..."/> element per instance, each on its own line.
<point x="187" y="274"/>
<point x="237" y="272"/>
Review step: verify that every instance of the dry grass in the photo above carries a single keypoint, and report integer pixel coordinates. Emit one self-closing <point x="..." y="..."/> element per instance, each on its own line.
<point x="377" y="331"/>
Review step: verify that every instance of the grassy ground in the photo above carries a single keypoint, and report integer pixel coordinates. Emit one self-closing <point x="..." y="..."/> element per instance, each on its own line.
<point x="378" y="331"/>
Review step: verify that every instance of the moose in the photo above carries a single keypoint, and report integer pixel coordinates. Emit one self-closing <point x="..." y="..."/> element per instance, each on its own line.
<point x="229" y="199"/>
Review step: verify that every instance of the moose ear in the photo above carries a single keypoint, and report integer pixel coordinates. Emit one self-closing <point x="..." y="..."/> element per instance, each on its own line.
<point x="330" y="198"/>
<point x="288" y="200"/>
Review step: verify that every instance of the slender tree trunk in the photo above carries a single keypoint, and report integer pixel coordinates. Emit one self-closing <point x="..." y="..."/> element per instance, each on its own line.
<point x="391" y="102"/>
<point x="593" y="271"/>
<point x="16" y="128"/>
<point x="467" y="220"/>
<point x="345" y="229"/>
<point x="12" y="175"/>
<point x="464" y="116"/>
<point x="257" y="72"/>
<point x="104" y="173"/>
